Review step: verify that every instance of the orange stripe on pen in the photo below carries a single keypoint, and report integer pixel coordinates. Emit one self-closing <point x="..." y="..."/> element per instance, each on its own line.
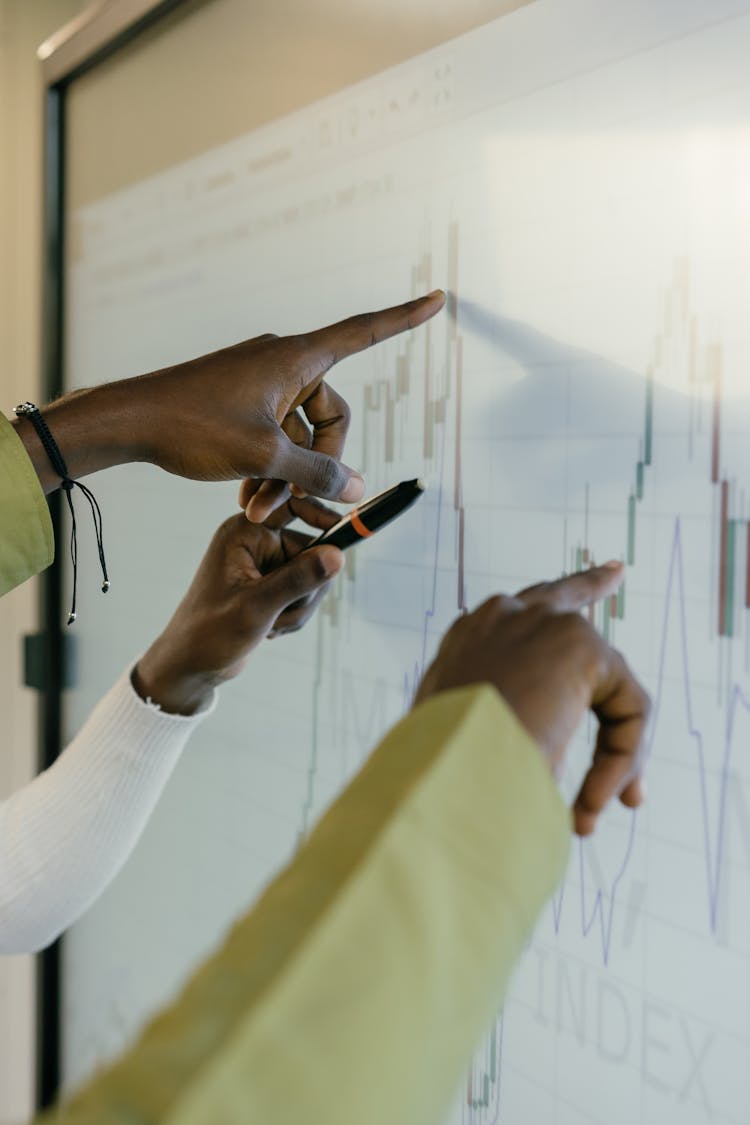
<point x="358" y="526"/>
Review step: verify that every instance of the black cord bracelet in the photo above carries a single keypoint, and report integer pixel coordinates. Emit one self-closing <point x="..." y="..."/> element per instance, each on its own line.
<point x="32" y="412"/>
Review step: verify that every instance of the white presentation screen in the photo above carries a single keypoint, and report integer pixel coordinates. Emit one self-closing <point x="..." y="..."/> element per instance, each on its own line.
<point x="577" y="174"/>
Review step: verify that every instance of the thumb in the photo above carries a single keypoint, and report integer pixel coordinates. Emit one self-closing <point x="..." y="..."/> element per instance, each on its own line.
<point x="316" y="473"/>
<point x="298" y="578"/>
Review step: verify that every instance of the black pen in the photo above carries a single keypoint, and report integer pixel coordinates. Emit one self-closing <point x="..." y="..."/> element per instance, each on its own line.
<point x="367" y="518"/>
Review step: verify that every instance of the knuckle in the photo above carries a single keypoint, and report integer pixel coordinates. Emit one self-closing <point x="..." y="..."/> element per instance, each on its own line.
<point x="495" y="606"/>
<point x="577" y="627"/>
<point x="268" y="449"/>
<point x="364" y="320"/>
<point x="229" y="527"/>
<point x="640" y="695"/>
<point x="585" y="803"/>
<point x="344" y="411"/>
<point x="328" y="476"/>
<point x="317" y="569"/>
<point x="305" y="358"/>
<point x="233" y="530"/>
<point x="364" y="324"/>
<point x="538" y="590"/>
<point x="293" y="354"/>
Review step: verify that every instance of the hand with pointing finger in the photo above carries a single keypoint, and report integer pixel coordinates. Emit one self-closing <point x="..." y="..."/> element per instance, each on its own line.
<point x="551" y="666"/>
<point x="225" y="416"/>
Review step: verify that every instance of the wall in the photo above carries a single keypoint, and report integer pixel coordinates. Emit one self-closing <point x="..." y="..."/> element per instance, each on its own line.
<point x="23" y="26"/>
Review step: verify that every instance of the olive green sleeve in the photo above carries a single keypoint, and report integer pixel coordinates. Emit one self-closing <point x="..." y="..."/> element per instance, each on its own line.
<point x="26" y="540"/>
<point x="358" y="986"/>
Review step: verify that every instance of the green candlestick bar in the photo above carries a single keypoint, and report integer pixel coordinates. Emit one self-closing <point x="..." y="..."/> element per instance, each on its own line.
<point x="620" y="600"/>
<point x="631" y="529"/>
<point x="484" y="1101"/>
<point x="648" y="435"/>
<point x="639" y="480"/>
<point x="605" y="620"/>
<point x="729" y="601"/>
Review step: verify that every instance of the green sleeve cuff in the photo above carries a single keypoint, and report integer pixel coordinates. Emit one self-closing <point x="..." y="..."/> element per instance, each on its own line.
<point x="26" y="543"/>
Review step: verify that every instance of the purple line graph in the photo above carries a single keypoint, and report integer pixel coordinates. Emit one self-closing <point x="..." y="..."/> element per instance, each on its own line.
<point x="598" y="916"/>
<point x="596" y="910"/>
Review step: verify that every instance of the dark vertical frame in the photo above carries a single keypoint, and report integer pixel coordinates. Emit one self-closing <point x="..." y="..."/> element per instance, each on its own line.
<point x="53" y="671"/>
<point x="50" y="700"/>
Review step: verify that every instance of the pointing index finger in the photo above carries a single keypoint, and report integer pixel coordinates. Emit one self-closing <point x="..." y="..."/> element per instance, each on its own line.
<point x="337" y="341"/>
<point x="575" y="590"/>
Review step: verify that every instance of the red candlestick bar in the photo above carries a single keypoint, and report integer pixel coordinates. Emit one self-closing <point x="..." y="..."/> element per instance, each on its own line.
<point x="723" y="558"/>
<point x="457" y="481"/>
<point x="715" y="354"/>
<point x="390" y="423"/>
<point x="458" y="495"/>
<point x="427" y="421"/>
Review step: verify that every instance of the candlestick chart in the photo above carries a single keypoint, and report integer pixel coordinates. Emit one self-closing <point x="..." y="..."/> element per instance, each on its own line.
<point x="584" y="201"/>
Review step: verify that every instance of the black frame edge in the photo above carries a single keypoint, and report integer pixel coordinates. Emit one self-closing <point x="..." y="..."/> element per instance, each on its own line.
<point x="49" y="982"/>
<point x="48" y="978"/>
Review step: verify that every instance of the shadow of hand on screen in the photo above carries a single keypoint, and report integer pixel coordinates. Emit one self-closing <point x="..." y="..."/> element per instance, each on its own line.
<point x="565" y="386"/>
<point x="253" y="582"/>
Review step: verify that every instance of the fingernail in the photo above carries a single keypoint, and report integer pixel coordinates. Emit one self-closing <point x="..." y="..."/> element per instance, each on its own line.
<point x="354" y="490"/>
<point x="612" y="564"/>
<point x="435" y="293"/>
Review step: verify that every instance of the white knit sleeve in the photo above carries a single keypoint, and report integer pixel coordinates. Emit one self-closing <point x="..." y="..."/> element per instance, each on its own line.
<point x="65" y="835"/>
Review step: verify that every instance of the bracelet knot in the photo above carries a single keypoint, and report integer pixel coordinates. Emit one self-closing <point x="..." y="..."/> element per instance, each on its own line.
<point x="32" y="412"/>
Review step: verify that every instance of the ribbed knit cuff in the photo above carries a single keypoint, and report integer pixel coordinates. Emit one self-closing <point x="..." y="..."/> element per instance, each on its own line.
<point x="151" y="705"/>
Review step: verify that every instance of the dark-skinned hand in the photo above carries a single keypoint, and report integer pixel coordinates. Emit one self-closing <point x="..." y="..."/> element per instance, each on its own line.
<point x="221" y="417"/>
<point x="551" y="666"/>
<point x="253" y="582"/>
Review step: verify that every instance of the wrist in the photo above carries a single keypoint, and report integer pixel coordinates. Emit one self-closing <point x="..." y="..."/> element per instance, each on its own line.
<point x="94" y="429"/>
<point x="175" y="692"/>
